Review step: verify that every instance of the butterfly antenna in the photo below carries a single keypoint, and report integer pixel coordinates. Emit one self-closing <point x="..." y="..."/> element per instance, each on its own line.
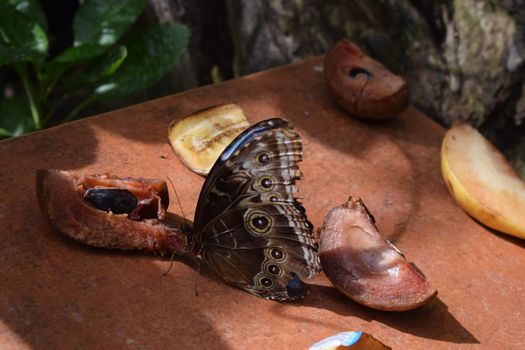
<point x="185" y="223"/>
<point x="178" y="201"/>
<point x="171" y="264"/>
<point x="198" y="270"/>
<point x="197" y="278"/>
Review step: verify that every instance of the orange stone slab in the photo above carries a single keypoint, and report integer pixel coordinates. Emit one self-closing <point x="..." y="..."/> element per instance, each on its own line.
<point x="58" y="294"/>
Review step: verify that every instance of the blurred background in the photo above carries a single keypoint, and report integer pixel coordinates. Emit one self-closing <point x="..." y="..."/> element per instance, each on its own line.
<point x="463" y="59"/>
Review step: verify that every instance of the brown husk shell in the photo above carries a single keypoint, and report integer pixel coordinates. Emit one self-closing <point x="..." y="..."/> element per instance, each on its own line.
<point x="364" y="266"/>
<point x="361" y="85"/>
<point x="60" y="196"/>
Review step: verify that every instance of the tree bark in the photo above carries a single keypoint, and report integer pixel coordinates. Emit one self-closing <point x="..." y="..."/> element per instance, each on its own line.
<point x="464" y="60"/>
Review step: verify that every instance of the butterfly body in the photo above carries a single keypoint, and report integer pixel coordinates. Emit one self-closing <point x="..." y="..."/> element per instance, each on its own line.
<point x="248" y="226"/>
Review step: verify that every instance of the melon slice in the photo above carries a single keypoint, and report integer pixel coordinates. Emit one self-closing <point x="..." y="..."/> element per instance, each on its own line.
<point x="482" y="181"/>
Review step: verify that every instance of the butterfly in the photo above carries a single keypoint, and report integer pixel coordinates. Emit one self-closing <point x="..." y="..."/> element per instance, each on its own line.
<point x="248" y="227"/>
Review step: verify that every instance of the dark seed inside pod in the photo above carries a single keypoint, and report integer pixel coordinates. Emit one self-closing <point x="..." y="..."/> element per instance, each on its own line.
<point x="118" y="201"/>
<point x="295" y="287"/>
<point x="358" y="72"/>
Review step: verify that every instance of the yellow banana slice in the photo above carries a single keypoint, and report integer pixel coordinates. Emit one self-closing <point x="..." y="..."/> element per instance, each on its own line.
<point x="199" y="139"/>
<point x="482" y="181"/>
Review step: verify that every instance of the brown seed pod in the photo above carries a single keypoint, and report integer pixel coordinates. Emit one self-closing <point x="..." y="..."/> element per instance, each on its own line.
<point x="361" y="85"/>
<point x="81" y="207"/>
<point x="364" y="266"/>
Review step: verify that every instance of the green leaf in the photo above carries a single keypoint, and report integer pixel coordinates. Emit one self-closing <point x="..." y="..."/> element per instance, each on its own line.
<point x="10" y="55"/>
<point x="103" y="67"/>
<point x="76" y="54"/>
<point x="104" y="21"/>
<point x="151" y="54"/>
<point x="19" y="31"/>
<point x="5" y="134"/>
<point x="52" y="71"/>
<point x="15" y="116"/>
<point x="32" y="9"/>
<point x="107" y="66"/>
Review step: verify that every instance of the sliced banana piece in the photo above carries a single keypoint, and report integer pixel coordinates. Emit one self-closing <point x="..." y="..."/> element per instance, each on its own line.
<point x="482" y="181"/>
<point x="199" y="139"/>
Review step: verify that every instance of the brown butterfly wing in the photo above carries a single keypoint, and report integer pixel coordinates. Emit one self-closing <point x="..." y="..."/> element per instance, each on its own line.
<point x="249" y="228"/>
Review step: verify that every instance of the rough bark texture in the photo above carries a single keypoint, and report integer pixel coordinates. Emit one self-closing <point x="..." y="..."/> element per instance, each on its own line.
<point x="463" y="59"/>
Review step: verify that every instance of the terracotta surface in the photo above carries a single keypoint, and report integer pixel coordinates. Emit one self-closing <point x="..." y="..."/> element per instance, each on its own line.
<point x="58" y="294"/>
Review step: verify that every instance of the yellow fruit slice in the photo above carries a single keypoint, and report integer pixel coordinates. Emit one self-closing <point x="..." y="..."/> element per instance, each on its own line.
<point x="482" y="181"/>
<point x="199" y="139"/>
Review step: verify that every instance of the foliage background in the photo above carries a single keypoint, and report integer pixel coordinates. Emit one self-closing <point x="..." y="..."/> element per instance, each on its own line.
<point x="104" y="58"/>
<point x="463" y="59"/>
